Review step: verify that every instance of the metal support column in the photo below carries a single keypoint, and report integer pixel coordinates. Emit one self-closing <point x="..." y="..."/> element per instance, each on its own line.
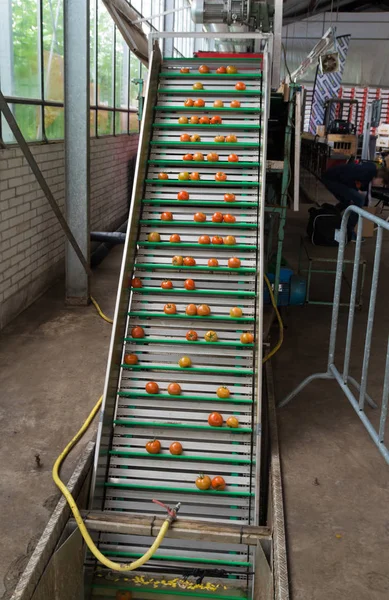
<point x="277" y="44"/>
<point x="168" y="25"/>
<point x="76" y="30"/>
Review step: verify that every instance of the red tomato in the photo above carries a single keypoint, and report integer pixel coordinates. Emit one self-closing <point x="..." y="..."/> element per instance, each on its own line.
<point x="223" y="392"/>
<point x="166" y="284"/>
<point x="203" y="482"/>
<point x="232" y="422"/>
<point x="152" y="387"/>
<point x="189" y="102"/>
<point x="203" y="69"/>
<point x="170" y="309"/>
<point x="163" y="176"/>
<point x="183" y="195"/>
<point x="137" y="332"/>
<point x="211" y="336"/>
<point x="191" y="335"/>
<point x="187" y="157"/>
<point x="177" y="261"/>
<point x="175" y="448"/>
<point x="227" y="218"/>
<point x="195" y="176"/>
<point x="166" y="216"/>
<point x="204" y="239"/>
<point x="189" y="261"/>
<point x="216" y="120"/>
<point x="235" y="311"/>
<point x="123" y="595"/>
<point x="191" y="309"/>
<point x="185" y="362"/>
<point x="235" y="104"/>
<point x="184" y="70"/>
<point x="153" y="447"/>
<point x="175" y="238"/>
<point x="233" y="158"/>
<point x="189" y="284"/>
<point x="205" y="120"/>
<point x="247" y="338"/>
<point x="215" y="419"/>
<point x="234" y="263"/>
<point x="217" y="240"/>
<point x="229" y="240"/>
<point x="229" y="197"/>
<point x="218" y="483"/>
<point x="221" y="70"/>
<point x="217" y="217"/>
<point x="154" y="236"/>
<point x="136" y="282"/>
<point x="174" y="389"/>
<point x="212" y="157"/>
<point x="199" y="217"/>
<point x="203" y="310"/>
<point x="220" y="176"/>
<point x="130" y="359"/>
<point x="195" y="119"/>
<point x="199" y="103"/>
<point x="231" y="139"/>
<point x="213" y="262"/>
<point x="240" y="86"/>
<point x="185" y="137"/>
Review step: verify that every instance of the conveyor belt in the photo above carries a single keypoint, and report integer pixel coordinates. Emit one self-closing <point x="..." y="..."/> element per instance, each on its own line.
<point x="127" y="477"/>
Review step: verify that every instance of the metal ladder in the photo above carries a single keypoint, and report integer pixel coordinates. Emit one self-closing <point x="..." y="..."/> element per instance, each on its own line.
<point x="127" y="478"/>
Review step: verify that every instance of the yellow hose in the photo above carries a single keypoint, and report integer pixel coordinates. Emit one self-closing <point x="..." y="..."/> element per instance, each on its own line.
<point x="102" y="315"/>
<point x="76" y="513"/>
<point x="280" y="323"/>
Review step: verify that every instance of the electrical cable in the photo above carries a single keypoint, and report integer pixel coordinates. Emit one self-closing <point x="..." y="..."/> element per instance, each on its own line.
<point x="280" y="323"/>
<point x="102" y="315"/>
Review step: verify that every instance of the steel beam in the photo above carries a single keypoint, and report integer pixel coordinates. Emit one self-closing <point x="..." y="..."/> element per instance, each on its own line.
<point x="168" y="25"/>
<point x="76" y="31"/>
<point x="277" y="44"/>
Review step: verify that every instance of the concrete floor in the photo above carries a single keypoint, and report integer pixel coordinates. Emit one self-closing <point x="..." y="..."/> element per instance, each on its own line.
<point x="336" y="483"/>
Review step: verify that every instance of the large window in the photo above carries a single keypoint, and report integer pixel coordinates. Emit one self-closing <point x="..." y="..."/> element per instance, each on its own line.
<point x="32" y="69"/>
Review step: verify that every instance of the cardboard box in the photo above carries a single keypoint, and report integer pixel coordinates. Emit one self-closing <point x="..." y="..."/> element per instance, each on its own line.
<point x="368" y="226"/>
<point x="320" y="130"/>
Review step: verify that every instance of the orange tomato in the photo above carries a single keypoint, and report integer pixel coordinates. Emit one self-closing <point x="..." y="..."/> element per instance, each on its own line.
<point x="218" y="104"/>
<point x="170" y="309"/>
<point x="231" y="70"/>
<point x="136" y="282"/>
<point x="240" y="86"/>
<point x="203" y="69"/>
<point x="199" y="217"/>
<point x="195" y="138"/>
<point x="123" y="595"/>
<point x="212" y="157"/>
<point x="185" y="137"/>
<point x="199" y="103"/>
<point x="213" y="262"/>
<point x="177" y="261"/>
<point x="204" y="239"/>
<point x="184" y="70"/>
<point x="236" y="312"/>
<point x="154" y="236"/>
<point x="227" y="218"/>
<point x="234" y="263"/>
<point x="189" y="102"/>
<point x="189" y="261"/>
<point x="166" y="216"/>
<point x="204" y="120"/>
<point x="229" y="240"/>
<point x="191" y="310"/>
<point x="191" y="335"/>
<point x="203" y="482"/>
<point x="216" y="120"/>
<point x="217" y="217"/>
<point x="219" y="139"/>
<point x="217" y="240"/>
<point x="174" y="389"/>
<point x="175" y="238"/>
<point x="166" y="284"/>
<point x="203" y="310"/>
<point x="152" y="387"/>
<point x="130" y="359"/>
<point x="153" y="447"/>
<point x="185" y="362"/>
<point x="220" y="176"/>
<point x="233" y="158"/>
<point x="218" y="483"/>
<point x="175" y="448"/>
<point x="194" y="120"/>
<point x="183" y="195"/>
<point x="221" y="70"/>
<point x="246" y="337"/>
<point x="187" y="157"/>
<point x="163" y="176"/>
<point x="232" y="422"/>
<point x="231" y="139"/>
<point x="215" y="419"/>
<point x="229" y="197"/>
<point x="198" y="156"/>
<point x="137" y="332"/>
<point x="195" y="176"/>
<point x="235" y="104"/>
<point x="183" y="120"/>
<point x="198" y="86"/>
<point x="223" y="392"/>
<point x="189" y="284"/>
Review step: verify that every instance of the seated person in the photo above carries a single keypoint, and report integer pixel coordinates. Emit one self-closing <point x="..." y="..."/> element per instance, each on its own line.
<point x="347" y="181"/>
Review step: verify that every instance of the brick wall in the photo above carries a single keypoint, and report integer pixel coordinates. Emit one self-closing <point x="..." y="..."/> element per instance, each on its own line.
<point x="31" y="240"/>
